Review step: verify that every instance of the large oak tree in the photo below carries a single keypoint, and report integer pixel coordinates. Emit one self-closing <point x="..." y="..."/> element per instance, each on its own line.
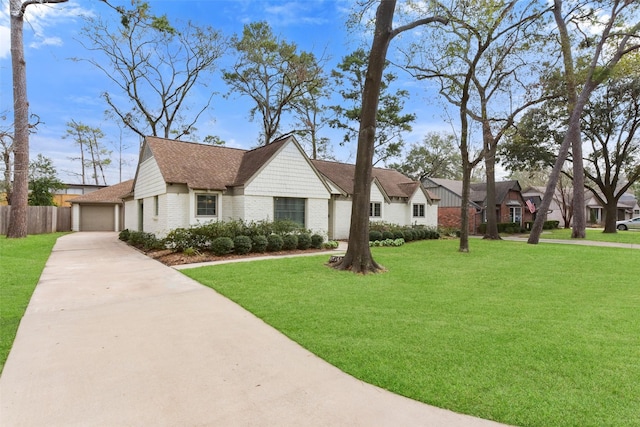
<point x="358" y="258"/>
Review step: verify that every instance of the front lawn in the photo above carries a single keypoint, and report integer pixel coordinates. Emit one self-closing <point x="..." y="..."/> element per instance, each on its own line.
<point x="627" y="236"/>
<point x="529" y="335"/>
<point x="21" y="263"/>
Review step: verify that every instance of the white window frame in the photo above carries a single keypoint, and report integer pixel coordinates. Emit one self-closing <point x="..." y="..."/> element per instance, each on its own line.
<point x="215" y="207"/>
<point x="301" y="200"/>
<point x="513" y="216"/>
<point x="421" y="210"/>
<point x="372" y="209"/>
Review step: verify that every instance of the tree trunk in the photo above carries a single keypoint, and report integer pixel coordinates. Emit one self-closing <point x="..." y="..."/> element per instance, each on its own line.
<point x="464" y="209"/>
<point x="579" y="213"/>
<point x="358" y="257"/>
<point x="610" y="215"/>
<point x="492" y="216"/>
<point x="19" y="197"/>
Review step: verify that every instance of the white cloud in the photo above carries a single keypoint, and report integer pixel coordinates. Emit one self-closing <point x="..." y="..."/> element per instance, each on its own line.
<point x="5" y="42"/>
<point x="40" y="19"/>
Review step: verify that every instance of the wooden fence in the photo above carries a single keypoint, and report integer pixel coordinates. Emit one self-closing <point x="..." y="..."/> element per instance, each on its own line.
<point x="40" y="219"/>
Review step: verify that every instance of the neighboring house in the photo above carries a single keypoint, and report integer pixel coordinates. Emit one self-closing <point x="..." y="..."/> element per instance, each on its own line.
<point x="627" y="208"/>
<point x="64" y="196"/>
<point x="450" y="194"/>
<point x="554" y="213"/>
<point x="101" y="210"/>
<point x="179" y="184"/>
<point x="510" y="205"/>
<point x="627" y="205"/>
<point x="394" y="198"/>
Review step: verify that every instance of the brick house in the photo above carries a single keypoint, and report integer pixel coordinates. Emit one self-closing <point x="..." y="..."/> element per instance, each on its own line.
<point x="510" y="204"/>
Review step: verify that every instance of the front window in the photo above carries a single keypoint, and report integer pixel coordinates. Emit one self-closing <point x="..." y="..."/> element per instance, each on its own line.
<point x="418" y="210"/>
<point x="515" y="214"/>
<point x="375" y="209"/>
<point x="206" y="205"/>
<point x="156" y="205"/>
<point x="289" y="208"/>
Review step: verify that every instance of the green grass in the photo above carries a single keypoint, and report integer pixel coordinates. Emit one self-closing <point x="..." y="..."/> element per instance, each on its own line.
<point x="21" y="263"/>
<point x="530" y="335"/>
<point x="629" y="236"/>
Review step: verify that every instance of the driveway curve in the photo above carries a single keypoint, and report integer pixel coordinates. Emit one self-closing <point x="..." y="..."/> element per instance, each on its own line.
<point x="113" y="338"/>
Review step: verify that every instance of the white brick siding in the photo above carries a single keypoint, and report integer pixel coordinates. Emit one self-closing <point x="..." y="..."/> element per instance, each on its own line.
<point x="397" y="212"/>
<point x="341" y="218"/>
<point x="430" y="211"/>
<point x="75" y="217"/>
<point x="131" y="215"/>
<point x="317" y="214"/>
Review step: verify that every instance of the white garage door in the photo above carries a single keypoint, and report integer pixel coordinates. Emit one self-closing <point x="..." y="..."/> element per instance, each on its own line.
<point x="97" y="218"/>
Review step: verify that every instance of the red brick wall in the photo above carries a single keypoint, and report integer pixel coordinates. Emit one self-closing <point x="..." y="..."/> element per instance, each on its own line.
<point x="450" y="217"/>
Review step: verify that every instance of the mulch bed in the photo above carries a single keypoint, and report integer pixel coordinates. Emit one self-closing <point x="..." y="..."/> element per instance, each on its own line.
<point x="170" y="257"/>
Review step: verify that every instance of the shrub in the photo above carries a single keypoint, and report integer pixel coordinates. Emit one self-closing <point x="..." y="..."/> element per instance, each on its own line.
<point x="146" y="241"/>
<point x="398" y="234"/>
<point x="242" y="245"/>
<point x="285" y="226"/>
<point x="259" y="243"/>
<point x="387" y="242"/>
<point x="289" y="242"/>
<point x="221" y="246"/>
<point x="375" y="235"/>
<point x="304" y="241"/>
<point x="274" y="243"/>
<point x="387" y="235"/>
<point x="331" y="244"/>
<point x="124" y="235"/>
<point x="180" y="239"/>
<point x="549" y="225"/>
<point x="191" y="252"/>
<point x="316" y="241"/>
<point x="409" y="235"/>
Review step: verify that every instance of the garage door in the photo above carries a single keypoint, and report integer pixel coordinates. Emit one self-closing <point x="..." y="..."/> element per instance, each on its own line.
<point x="97" y="218"/>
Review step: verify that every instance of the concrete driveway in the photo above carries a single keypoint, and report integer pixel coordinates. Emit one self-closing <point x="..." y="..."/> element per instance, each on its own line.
<point x="113" y="338"/>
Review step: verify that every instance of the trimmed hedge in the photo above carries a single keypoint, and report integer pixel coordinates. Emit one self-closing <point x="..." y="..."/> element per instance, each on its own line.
<point x="242" y="245"/>
<point x="222" y="246"/>
<point x="274" y="243"/>
<point x="316" y="241"/>
<point x="289" y="242"/>
<point x="259" y="243"/>
<point x="304" y="241"/>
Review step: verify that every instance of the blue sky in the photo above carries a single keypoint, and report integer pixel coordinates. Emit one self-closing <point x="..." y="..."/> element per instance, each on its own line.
<point x="61" y="90"/>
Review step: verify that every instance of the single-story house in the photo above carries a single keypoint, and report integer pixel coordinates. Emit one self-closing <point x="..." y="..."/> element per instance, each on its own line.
<point x="101" y="210"/>
<point x="450" y="193"/>
<point x="510" y="204"/>
<point x="179" y="184"/>
<point x="627" y="207"/>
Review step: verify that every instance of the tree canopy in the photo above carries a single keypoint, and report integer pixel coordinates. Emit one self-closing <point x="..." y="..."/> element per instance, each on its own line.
<point x="391" y="121"/>
<point x="273" y="74"/>
<point x="155" y="65"/>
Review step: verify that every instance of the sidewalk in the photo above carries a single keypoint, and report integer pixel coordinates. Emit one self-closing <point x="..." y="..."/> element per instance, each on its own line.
<point x="113" y="338"/>
<point x="578" y="242"/>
